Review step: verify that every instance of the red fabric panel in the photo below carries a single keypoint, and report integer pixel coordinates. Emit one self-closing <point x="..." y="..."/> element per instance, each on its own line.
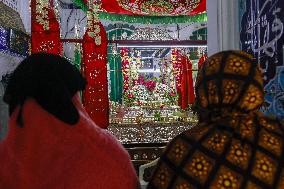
<point x="201" y="61"/>
<point x="187" y="90"/>
<point x="112" y="6"/>
<point x="96" y="94"/>
<point x="44" y="40"/>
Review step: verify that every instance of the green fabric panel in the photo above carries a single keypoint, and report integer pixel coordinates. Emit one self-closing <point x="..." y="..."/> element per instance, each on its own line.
<point x="116" y="78"/>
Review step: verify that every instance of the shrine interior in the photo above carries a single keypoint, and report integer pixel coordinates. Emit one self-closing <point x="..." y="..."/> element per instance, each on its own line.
<point x="143" y="59"/>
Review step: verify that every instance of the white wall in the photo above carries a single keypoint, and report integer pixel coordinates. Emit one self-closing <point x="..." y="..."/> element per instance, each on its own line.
<point x="223" y="25"/>
<point x="25" y="13"/>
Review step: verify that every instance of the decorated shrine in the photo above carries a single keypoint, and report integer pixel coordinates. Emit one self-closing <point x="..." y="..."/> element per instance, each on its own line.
<point x="140" y="59"/>
<point x="140" y="63"/>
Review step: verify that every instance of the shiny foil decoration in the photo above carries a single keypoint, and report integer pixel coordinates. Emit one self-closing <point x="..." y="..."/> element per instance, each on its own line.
<point x="95" y="97"/>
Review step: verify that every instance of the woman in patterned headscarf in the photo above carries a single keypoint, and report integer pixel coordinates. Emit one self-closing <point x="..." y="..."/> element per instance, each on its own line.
<point x="234" y="145"/>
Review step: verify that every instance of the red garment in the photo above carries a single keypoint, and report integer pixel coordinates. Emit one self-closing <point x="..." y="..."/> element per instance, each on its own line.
<point x="49" y="154"/>
<point x="201" y="61"/>
<point x="187" y="91"/>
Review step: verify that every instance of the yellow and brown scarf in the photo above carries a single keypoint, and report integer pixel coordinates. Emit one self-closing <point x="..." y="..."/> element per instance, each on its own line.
<point x="233" y="146"/>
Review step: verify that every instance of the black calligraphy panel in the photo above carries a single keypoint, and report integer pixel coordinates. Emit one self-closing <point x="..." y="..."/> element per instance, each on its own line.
<point x="262" y="35"/>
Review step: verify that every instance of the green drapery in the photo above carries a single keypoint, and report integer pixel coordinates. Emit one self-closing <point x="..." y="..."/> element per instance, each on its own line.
<point x="116" y="79"/>
<point x="114" y="61"/>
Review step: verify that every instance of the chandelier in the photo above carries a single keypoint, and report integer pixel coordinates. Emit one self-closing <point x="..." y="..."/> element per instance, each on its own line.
<point x="159" y="7"/>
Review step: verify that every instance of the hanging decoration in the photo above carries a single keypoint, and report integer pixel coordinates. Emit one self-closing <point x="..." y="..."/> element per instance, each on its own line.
<point x="177" y="67"/>
<point x="45" y="28"/>
<point x="202" y="59"/>
<point x="94" y="57"/>
<point x="150" y="7"/>
<point x="161" y="8"/>
<point x="187" y="91"/>
<point x="200" y="17"/>
<point x="124" y="52"/>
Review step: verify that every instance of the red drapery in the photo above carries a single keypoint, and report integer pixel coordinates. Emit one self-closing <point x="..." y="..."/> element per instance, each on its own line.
<point x="124" y="7"/>
<point x="187" y="91"/>
<point x="45" y="28"/>
<point x="201" y="61"/>
<point x="95" y="60"/>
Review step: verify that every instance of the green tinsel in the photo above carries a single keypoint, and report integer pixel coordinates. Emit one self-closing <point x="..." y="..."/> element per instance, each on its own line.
<point x="146" y="19"/>
<point x="154" y="19"/>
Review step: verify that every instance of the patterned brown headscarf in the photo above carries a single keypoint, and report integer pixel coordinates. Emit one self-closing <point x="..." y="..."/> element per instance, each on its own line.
<point x="233" y="146"/>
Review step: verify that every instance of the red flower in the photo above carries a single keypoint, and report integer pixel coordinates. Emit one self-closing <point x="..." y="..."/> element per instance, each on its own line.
<point x="130" y="95"/>
<point x="150" y="85"/>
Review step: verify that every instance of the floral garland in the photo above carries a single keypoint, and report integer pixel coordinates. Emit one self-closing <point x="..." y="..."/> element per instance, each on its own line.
<point x="93" y="21"/>
<point x="135" y="66"/>
<point x="130" y="66"/>
<point x="177" y="67"/>
<point x="125" y="68"/>
<point x="42" y="18"/>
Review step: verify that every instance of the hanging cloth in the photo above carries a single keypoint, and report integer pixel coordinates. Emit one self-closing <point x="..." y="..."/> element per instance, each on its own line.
<point x="202" y="59"/>
<point x="45" y="28"/>
<point x="95" y="96"/>
<point x="187" y="91"/>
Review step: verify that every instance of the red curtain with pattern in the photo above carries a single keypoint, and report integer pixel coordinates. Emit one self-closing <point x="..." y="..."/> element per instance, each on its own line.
<point x="140" y="7"/>
<point x="45" y="28"/>
<point x="94" y="62"/>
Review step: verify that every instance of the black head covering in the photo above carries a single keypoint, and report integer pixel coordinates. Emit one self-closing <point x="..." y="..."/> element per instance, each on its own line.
<point x="49" y="79"/>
